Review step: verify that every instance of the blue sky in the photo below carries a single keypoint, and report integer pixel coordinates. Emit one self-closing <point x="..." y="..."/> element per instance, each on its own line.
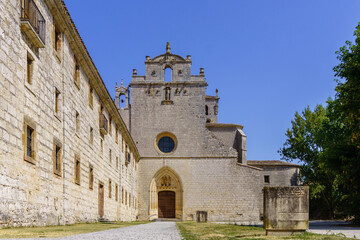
<point x="268" y="59"/>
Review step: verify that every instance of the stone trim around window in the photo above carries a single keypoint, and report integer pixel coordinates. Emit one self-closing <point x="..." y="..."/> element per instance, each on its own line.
<point x="29" y="140"/>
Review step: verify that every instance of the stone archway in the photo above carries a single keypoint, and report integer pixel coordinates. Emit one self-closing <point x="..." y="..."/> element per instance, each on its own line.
<point x="165" y="180"/>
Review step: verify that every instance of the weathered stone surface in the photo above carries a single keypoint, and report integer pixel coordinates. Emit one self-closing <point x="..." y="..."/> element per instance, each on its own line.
<point x="286" y="210"/>
<point x="31" y="194"/>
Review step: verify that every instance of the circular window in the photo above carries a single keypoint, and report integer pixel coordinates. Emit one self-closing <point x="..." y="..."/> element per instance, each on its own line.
<point x="165" y="142"/>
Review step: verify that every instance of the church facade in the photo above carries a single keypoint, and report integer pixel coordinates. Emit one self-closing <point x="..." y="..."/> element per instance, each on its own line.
<point x="69" y="153"/>
<point x="189" y="162"/>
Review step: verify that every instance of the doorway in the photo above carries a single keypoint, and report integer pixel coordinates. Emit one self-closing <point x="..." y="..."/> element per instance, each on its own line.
<point x="166" y="200"/>
<point x="101" y="200"/>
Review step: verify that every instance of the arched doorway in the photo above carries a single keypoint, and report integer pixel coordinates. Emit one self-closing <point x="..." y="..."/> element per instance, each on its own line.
<point x="166" y="195"/>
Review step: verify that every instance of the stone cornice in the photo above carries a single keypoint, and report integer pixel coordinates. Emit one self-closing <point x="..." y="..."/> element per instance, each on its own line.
<point x="162" y="83"/>
<point x="224" y="125"/>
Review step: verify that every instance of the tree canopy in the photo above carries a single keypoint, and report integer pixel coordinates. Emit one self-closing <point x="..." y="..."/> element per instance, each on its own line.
<point x="327" y="140"/>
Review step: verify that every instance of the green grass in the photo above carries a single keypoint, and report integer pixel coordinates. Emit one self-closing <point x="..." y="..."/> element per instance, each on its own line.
<point x="60" y="231"/>
<point x="213" y="231"/>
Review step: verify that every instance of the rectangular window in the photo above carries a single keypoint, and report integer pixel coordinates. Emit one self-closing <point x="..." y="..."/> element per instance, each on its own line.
<point x="76" y="73"/>
<point x="109" y="188"/>
<point x="116" y="192"/>
<point x="117" y="162"/>
<point x="110" y="156"/>
<point x="122" y="195"/>
<point x="91" y="177"/>
<point x="57" y="159"/>
<point x="77" y="169"/>
<point x="266" y="179"/>
<point x="125" y="197"/>
<point x="57" y="101"/>
<point x="57" y="42"/>
<point x="91" y="136"/>
<point x="29" y="144"/>
<point x="116" y="134"/>
<point x="101" y="146"/>
<point x="110" y="125"/>
<point x="29" y="69"/>
<point x="122" y="143"/>
<point x="91" y="97"/>
<point x="77" y="123"/>
<point x="129" y="199"/>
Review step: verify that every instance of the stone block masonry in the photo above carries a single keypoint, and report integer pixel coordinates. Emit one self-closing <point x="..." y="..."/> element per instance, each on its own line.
<point x="46" y="116"/>
<point x="286" y="210"/>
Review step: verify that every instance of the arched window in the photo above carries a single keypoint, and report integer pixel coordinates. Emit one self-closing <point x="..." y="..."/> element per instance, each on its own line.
<point x="168" y="74"/>
<point x="206" y="110"/>
<point x="122" y="101"/>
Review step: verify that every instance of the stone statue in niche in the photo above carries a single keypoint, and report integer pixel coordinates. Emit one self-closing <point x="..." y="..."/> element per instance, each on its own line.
<point x="153" y="73"/>
<point x="167" y="93"/>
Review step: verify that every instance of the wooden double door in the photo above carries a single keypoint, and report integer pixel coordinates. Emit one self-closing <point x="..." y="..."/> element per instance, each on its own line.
<point x="166" y="204"/>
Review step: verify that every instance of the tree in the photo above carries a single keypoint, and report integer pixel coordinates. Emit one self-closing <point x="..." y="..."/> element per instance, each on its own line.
<point x="304" y="143"/>
<point x="344" y="154"/>
<point x="327" y="140"/>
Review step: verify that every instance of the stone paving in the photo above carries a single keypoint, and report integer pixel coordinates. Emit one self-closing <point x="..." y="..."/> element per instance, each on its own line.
<point x="150" y="231"/>
<point x="334" y="227"/>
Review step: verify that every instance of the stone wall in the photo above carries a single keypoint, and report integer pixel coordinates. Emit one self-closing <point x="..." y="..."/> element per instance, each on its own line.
<point x="30" y="193"/>
<point x="219" y="186"/>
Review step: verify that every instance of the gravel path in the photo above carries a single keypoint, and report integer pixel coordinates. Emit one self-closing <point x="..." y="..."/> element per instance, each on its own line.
<point x="150" y="231"/>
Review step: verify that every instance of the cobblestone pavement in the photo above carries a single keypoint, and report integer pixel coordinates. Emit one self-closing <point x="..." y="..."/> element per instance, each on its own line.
<point x="334" y="227"/>
<point x="150" y="231"/>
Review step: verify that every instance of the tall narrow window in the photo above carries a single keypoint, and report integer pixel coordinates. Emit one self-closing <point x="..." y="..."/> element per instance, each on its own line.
<point x="91" y="97"/>
<point x="117" y="162"/>
<point x="110" y="156"/>
<point x="122" y="195"/>
<point x="101" y="146"/>
<point x="91" y="177"/>
<point x="77" y="170"/>
<point x="57" y="159"/>
<point x="109" y="188"/>
<point x="116" y="134"/>
<point x="57" y="101"/>
<point x="91" y="136"/>
<point x="77" y="122"/>
<point x="168" y="74"/>
<point x="125" y="197"/>
<point x="29" y="69"/>
<point x="129" y="199"/>
<point x="206" y="110"/>
<point x="76" y="73"/>
<point x="29" y="143"/>
<point x="57" y="42"/>
<point x="122" y="143"/>
<point x="116" y="192"/>
<point x="110" y="125"/>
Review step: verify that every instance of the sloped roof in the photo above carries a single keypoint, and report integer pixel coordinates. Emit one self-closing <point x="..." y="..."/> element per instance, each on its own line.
<point x="271" y="163"/>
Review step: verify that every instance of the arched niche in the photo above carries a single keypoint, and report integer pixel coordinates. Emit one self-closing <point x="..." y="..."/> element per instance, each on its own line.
<point x="165" y="179"/>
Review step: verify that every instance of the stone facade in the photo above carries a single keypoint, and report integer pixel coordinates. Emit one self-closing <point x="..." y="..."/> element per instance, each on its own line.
<point x="206" y="164"/>
<point x="56" y="106"/>
<point x="68" y="153"/>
